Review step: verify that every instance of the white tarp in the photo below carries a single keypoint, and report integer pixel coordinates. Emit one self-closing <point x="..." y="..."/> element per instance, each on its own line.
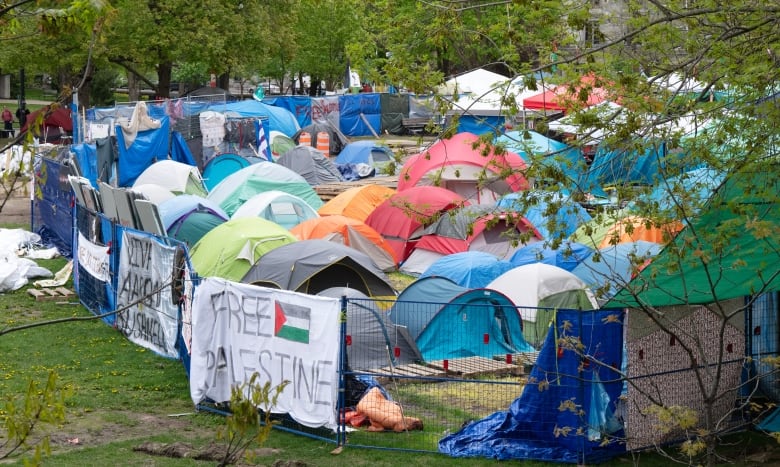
<point x="145" y="272"/>
<point x="239" y="329"/>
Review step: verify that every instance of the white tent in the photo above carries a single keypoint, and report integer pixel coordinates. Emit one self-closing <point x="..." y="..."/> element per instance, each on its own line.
<point x="176" y="177"/>
<point x="475" y="82"/>
<point x="537" y="289"/>
<point x="277" y="206"/>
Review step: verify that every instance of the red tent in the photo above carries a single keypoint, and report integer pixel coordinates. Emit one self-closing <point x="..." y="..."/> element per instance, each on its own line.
<point x="476" y="174"/>
<point x="563" y="98"/>
<point x="57" y="124"/>
<point x="403" y="215"/>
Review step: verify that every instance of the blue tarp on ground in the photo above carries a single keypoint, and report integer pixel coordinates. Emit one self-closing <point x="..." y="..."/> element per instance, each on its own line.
<point x="299" y="106"/>
<point x="566" y="420"/>
<point x="351" y="106"/>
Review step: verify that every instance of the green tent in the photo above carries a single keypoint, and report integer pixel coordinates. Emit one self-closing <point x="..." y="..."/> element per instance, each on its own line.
<point x="230" y="249"/>
<point x="731" y="250"/>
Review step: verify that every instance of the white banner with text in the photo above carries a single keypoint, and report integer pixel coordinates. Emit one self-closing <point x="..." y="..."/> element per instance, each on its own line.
<point x="93" y="258"/>
<point x="240" y="329"/>
<point x="145" y="272"/>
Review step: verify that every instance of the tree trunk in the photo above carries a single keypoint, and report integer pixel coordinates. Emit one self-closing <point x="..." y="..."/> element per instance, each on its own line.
<point x="133" y="93"/>
<point x="164" y="71"/>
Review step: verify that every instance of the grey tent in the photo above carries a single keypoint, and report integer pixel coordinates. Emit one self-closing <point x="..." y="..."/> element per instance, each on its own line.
<point x="337" y="138"/>
<point x="311" y="266"/>
<point x="374" y="341"/>
<point x="311" y="164"/>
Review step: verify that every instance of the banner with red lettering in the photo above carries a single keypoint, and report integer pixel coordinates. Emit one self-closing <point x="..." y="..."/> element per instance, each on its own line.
<point x="241" y="329"/>
<point x="145" y="273"/>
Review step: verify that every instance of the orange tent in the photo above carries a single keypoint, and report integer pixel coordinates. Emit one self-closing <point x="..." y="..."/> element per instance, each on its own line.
<point x="350" y="232"/>
<point x="357" y="202"/>
<point x="633" y="228"/>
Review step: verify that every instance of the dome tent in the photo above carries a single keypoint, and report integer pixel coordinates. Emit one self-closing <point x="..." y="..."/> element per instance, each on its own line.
<point x="277" y="206"/>
<point x="175" y="176"/>
<point x="188" y="218"/>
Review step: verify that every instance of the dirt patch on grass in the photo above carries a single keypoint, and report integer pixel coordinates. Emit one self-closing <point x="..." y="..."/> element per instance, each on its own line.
<point x="98" y="428"/>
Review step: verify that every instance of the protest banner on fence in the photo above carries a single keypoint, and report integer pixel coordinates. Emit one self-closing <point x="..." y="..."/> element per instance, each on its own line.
<point x="145" y="272"/>
<point x="241" y="329"/>
<point x="93" y="258"/>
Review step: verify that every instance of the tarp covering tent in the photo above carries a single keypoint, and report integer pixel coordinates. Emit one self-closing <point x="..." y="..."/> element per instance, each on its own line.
<point x="470" y="228"/>
<point x="375" y="341"/>
<point x="336" y="137"/>
<point x="175" y="176"/>
<point x="311" y="266"/>
<point x="263" y="176"/>
<point x="401" y="218"/>
<point x="456" y="165"/>
<point x="223" y="165"/>
<point x="538" y="289"/>
<point x="311" y="164"/>
<point x="553" y="215"/>
<point x="357" y="202"/>
<point x="615" y="266"/>
<point x="741" y="255"/>
<point x="277" y="206"/>
<point x="373" y="153"/>
<point x="470" y="269"/>
<point x="435" y="309"/>
<point x="566" y="256"/>
<point x="230" y="249"/>
<point x="188" y="218"/>
<point x="279" y="119"/>
<point x="349" y="232"/>
<point x="530" y="427"/>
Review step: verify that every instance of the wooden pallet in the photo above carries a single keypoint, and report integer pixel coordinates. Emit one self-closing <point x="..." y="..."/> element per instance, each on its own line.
<point x="328" y="191"/>
<point x="60" y="293"/>
<point x="408" y="372"/>
<point x="472" y="367"/>
<point x="524" y="359"/>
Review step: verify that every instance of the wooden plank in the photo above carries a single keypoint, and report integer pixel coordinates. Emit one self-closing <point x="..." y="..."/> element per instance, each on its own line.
<point x="50" y="294"/>
<point x="525" y="359"/>
<point x="476" y="366"/>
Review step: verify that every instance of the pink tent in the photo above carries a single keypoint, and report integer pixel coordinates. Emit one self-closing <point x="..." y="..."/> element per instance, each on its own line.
<point x="477" y="174"/>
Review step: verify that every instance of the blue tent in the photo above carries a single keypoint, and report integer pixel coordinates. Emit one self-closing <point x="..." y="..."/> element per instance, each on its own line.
<point x="564" y="219"/>
<point x="523" y="142"/>
<point x="365" y="152"/>
<point x="223" y="165"/>
<point x="567" y="256"/>
<point x="434" y="309"/>
<point x="535" y="426"/>
<point x="470" y="269"/>
<point x="611" y="269"/>
<point x="279" y="119"/>
<point x="547" y="151"/>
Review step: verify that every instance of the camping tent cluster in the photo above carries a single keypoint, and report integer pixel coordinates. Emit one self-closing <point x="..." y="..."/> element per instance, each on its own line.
<point x="496" y="256"/>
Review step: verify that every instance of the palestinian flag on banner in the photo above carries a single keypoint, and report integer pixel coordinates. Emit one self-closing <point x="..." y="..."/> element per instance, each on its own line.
<point x="292" y="322"/>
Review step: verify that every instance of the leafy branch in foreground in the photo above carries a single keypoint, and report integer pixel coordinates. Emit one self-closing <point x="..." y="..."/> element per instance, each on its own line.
<point x="247" y="424"/>
<point x="20" y="417"/>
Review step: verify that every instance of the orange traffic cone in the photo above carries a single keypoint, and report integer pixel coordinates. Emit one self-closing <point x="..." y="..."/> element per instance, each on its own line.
<point x="304" y="139"/>
<point x="323" y="143"/>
